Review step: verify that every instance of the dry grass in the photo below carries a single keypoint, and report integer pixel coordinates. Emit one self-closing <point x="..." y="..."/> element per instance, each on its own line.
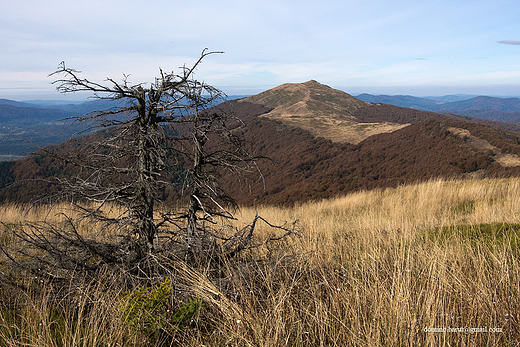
<point x="377" y="268"/>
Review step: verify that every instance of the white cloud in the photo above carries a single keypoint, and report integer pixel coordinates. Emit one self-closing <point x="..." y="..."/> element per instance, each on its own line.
<point x="510" y="42"/>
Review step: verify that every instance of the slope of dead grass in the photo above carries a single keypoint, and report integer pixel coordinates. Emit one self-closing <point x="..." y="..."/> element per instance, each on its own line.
<point x="389" y="267"/>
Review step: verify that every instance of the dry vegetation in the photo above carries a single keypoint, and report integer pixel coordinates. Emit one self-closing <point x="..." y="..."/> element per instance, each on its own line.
<point x="374" y="268"/>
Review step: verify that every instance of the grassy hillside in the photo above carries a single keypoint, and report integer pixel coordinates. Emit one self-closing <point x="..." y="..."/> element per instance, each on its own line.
<point x="321" y="110"/>
<point x="373" y="268"/>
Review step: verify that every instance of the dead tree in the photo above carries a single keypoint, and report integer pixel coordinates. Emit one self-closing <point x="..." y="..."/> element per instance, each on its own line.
<point x="167" y="119"/>
<point x="169" y="133"/>
<point x="137" y="147"/>
<point x="172" y="122"/>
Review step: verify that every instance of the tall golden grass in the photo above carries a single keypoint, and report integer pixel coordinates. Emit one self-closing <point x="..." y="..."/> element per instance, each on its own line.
<point x="431" y="264"/>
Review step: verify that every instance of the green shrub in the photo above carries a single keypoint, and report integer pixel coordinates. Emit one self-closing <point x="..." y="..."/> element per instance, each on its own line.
<point x="145" y="309"/>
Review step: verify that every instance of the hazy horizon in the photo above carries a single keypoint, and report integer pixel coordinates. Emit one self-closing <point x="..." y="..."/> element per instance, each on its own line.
<point x="419" y="91"/>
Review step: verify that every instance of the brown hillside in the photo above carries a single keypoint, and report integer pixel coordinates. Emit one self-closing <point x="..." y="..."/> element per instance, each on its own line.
<point x="305" y="167"/>
<point x="396" y="114"/>
<point x="402" y="115"/>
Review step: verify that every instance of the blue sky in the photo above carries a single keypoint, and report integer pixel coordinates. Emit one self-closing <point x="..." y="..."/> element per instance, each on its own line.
<point x="376" y="46"/>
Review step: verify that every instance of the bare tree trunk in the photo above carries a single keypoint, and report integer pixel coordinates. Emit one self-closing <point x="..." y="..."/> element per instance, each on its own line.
<point x="195" y="198"/>
<point x="147" y="179"/>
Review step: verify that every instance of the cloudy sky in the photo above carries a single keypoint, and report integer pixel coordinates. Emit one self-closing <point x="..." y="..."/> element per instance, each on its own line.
<point x="414" y="47"/>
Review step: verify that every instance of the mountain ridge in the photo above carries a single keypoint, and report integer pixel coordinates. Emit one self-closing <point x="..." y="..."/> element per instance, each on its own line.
<point x="305" y="165"/>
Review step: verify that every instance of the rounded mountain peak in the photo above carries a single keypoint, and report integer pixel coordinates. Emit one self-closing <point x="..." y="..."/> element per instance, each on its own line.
<point x="315" y="107"/>
<point x="288" y="94"/>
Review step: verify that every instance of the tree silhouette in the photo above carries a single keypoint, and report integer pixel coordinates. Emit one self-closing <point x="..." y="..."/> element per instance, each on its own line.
<point x="139" y="147"/>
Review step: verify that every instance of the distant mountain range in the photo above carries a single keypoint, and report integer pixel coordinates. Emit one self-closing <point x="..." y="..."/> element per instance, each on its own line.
<point x="26" y="126"/>
<point x="323" y="143"/>
<point x="485" y="107"/>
